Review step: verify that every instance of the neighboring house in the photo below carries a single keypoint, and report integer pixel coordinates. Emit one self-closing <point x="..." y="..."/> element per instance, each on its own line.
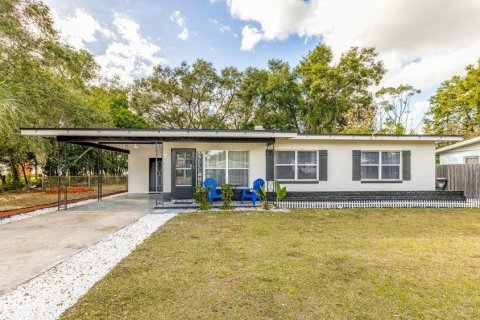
<point x="465" y="152"/>
<point x="311" y="166"/>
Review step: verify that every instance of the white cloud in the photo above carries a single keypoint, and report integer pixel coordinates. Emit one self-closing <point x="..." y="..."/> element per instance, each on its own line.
<point x="440" y="36"/>
<point x="128" y="53"/>
<point x="180" y="21"/>
<point x="221" y="28"/>
<point x="80" y="29"/>
<point x="224" y="29"/>
<point x="250" y="37"/>
<point x="132" y="55"/>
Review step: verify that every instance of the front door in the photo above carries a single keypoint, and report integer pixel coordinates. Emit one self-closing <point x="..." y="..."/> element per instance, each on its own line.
<point x="183" y="173"/>
<point x="156" y="176"/>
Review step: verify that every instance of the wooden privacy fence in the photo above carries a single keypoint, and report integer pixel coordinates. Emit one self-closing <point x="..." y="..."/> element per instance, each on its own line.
<point x="461" y="177"/>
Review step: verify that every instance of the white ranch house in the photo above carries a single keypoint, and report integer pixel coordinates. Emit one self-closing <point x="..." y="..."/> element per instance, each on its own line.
<point x="174" y="161"/>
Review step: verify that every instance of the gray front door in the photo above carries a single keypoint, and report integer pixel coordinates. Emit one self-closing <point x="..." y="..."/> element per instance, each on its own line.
<point x="156" y="176"/>
<point x="183" y="173"/>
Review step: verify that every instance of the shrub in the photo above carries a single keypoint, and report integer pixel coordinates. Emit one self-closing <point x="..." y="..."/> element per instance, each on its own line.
<point x="263" y="197"/>
<point x="201" y="197"/>
<point x="227" y="192"/>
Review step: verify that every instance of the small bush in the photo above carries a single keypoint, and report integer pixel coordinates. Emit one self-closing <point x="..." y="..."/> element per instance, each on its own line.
<point x="227" y="192"/>
<point x="280" y="193"/>
<point x="263" y="196"/>
<point x="201" y="197"/>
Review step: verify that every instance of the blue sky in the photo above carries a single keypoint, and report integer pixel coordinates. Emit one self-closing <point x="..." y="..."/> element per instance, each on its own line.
<point x="421" y="43"/>
<point x="213" y="34"/>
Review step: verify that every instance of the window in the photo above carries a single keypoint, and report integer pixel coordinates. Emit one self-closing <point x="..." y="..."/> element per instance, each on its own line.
<point x="380" y="165"/>
<point x="227" y="167"/>
<point x="470" y="160"/>
<point x="296" y="165"/>
<point x="183" y="168"/>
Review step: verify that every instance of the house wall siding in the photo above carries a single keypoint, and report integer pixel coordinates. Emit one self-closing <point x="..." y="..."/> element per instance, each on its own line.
<point x="456" y="156"/>
<point x="339" y="163"/>
<point x="138" y="167"/>
<point x="256" y="157"/>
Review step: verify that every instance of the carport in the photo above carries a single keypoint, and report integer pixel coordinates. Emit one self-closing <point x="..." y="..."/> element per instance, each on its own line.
<point x="114" y="140"/>
<point x="158" y="155"/>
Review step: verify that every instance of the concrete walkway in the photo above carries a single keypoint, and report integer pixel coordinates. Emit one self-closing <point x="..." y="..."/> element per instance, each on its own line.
<point x="34" y="245"/>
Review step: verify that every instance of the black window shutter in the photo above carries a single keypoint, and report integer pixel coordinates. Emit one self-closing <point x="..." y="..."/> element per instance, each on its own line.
<point x="406" y="167"/>
<point x="356" y="165"/>
<point x="322" y="165"/>
<point x="269" y="166"/>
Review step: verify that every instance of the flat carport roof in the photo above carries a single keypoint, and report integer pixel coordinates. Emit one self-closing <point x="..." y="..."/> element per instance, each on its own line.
<point x="152" y="135"/>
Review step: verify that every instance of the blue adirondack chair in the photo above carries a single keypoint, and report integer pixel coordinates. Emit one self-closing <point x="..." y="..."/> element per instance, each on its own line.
<point x="251" y="194"/>
<point x="213" y="194"/>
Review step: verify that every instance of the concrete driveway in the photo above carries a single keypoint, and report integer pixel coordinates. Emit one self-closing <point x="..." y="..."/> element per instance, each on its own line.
<point x="30" y="247"/>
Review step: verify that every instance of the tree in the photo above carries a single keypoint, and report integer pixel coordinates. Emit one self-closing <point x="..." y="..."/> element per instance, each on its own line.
<point x="195" y="96"/>
<point x="274" y="96"/>
<point x="8" y="110"/>
<point x="123" y="117"/>
<point x="394" y="108"/>
<point x="455" y="107"/>
<point x="331" y="90"/>
<point x="359" y="119"/>
<point x="48" y="80"/>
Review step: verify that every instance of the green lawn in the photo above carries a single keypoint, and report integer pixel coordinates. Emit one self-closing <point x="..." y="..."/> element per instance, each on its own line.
<point x="306" y="264"/>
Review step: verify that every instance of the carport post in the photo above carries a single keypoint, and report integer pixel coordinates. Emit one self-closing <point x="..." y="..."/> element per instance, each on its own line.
<point x="100" y="174"/>
<point x="61" y="183"/>
<point x="156" y="179"/>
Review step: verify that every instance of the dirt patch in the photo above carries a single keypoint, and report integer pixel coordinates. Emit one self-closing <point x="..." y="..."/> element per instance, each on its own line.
<point x="13" y="212"/>
<point x="71" y="190"/>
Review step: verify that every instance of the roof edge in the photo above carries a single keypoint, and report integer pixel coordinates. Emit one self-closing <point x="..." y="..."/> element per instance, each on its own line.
<point x="458" y="145"/>
<point x="162" y="132"/>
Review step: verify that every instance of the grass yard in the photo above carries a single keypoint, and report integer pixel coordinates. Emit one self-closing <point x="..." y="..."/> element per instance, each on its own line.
<point x="306" y="264"/>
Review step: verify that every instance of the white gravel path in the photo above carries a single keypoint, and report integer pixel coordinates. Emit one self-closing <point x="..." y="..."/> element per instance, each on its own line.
<point x="51" y="293"/>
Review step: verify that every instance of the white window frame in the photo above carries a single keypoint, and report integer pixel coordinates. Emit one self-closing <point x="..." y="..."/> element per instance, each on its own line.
<point x="380" y="165"/>
<point x="296" y="165"/>
<point x="227" y="168"/>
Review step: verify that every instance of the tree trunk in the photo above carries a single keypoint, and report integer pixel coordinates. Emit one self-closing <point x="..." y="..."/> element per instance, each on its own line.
<point x="15" y="175"/>
<point x="24" y="173"/>
<point x="36" y="170"/>
<point x="4" y="182"/>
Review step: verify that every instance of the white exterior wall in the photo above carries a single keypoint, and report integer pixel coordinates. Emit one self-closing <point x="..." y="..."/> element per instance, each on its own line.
<point x="339" y="163"/>
<point x="256" y="154"/>
<point x="457" y="155"/>
<point x="138" y="167"/>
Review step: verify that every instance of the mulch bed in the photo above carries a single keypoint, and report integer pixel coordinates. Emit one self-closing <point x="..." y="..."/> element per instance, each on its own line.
<point x="13" y="212"/>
